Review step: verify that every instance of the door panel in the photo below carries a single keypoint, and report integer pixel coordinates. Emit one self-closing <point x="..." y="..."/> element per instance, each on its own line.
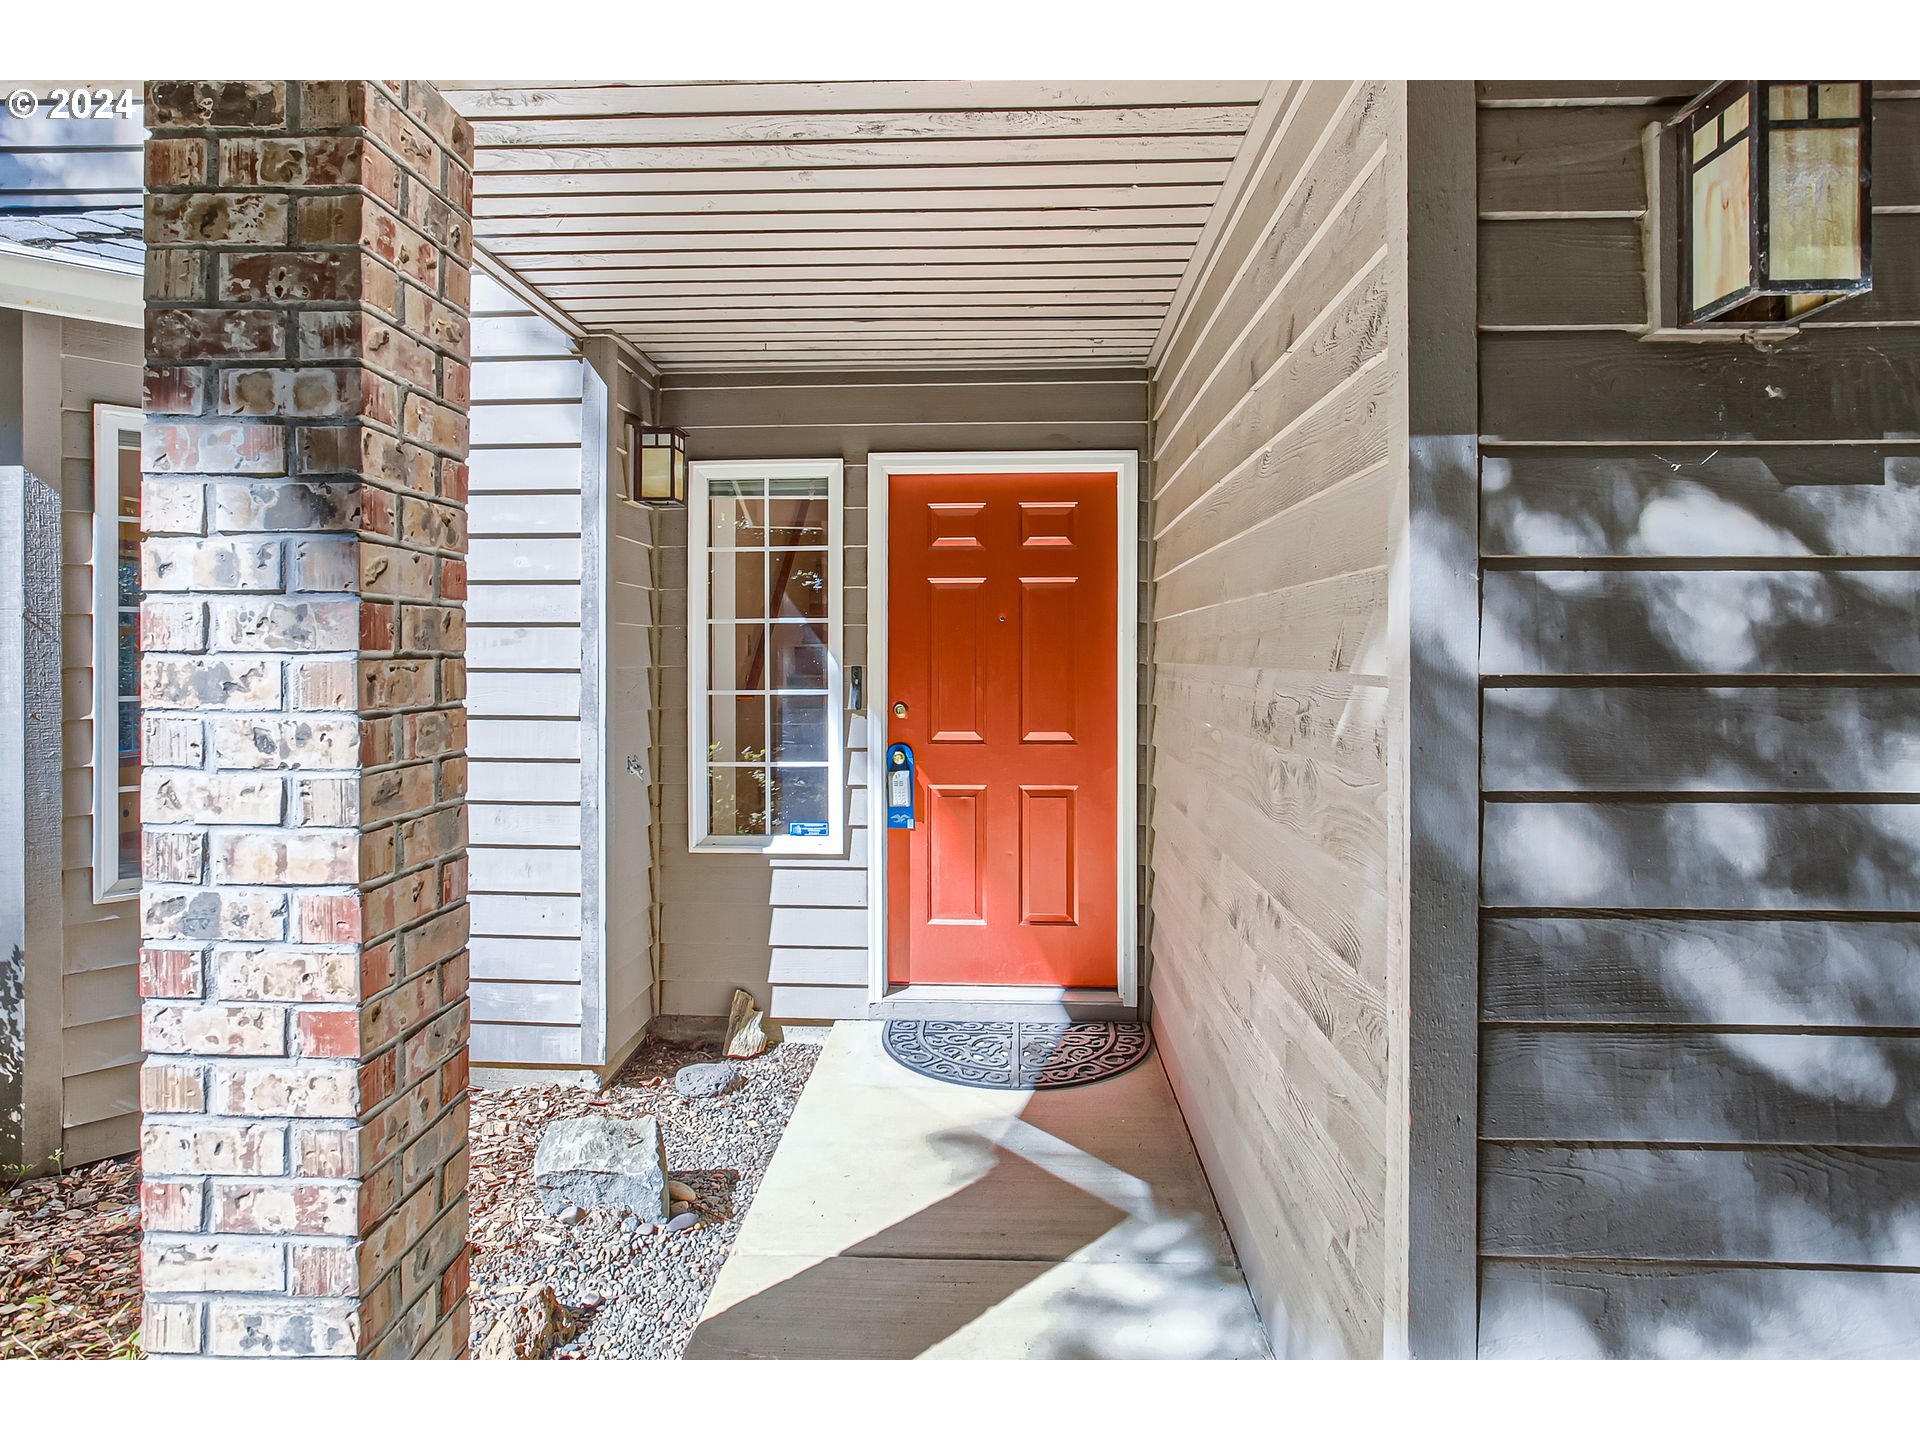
<point x="1003" y="620"/>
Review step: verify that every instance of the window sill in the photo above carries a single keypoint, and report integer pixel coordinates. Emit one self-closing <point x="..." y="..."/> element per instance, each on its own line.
<point x="808" y="847"/>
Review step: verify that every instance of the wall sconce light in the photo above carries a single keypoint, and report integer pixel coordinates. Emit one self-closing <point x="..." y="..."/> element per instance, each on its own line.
<point x="659" y="458"/>
<point x="1774" y="207"/>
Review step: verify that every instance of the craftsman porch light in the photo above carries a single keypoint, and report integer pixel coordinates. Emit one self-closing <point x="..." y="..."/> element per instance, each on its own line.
<point x="1774" y="212"/>
<point x="661" y="464"/>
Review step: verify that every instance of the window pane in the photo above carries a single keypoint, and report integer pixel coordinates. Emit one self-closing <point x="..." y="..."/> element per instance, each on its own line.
<point x="800" y="727"/>
<point x="737" y="800"/>
<point x="129" y="836"/>
<point x="1722" y="258"/>
<point x="736" y="517"/>
<point x="1839" y="102"/>
<point x="125" y="796"/>
<point x="800" y="583"/>
<point x="799" y="656"/>
<point x="739" y="728"/>
<point x="738" y="659"/>
<point x="128" y="676"/>
<point x="799" y="794"/>
<point x="797" y="513"/>
<point x="739" y="584"/>
<point x="1814" y="194"/>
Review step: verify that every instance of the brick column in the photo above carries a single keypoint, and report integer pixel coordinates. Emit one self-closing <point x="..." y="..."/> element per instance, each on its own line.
<point x="304" y="968"/>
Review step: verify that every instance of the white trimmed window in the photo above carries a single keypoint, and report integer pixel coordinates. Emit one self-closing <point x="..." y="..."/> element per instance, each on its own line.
<point x="766" y="728"/>
<point x="116" y="652"/>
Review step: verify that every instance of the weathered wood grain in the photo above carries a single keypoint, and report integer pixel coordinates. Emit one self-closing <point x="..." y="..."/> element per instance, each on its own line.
<point x="1804" y="1206"/>
<point x="1334" y="350"/>
<point x="1700" y="1088"/>
<point x="1288" y="216"/>
<point x="1835" y="384"/>
<point x="1561" y="273"/>
<point x="1686" y="501"/>
<point x="1705" y="855"/>
<point x="1802" y="738"/>
<point x="1720" y="972"/>
<point x="1582" y="160"/>
<point x="1749" y="622"/>
<point x="1566" y="1311"/>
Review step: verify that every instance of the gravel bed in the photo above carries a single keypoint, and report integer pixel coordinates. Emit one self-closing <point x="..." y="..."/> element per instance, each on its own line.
<point x="70" y="1264"/>
<point x="637" y="1295"/>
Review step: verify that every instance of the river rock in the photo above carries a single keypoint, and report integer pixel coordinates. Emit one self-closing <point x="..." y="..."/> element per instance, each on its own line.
<point x="601" y="1162"/>
<point x="745" y="1038"/>
<point x="703" y="1082"/>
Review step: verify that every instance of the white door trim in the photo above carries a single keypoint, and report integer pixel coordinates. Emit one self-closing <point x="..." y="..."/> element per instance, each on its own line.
<point x="1124" y="466"/>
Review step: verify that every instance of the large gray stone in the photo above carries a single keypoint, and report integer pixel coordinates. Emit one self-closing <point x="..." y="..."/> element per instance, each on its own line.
<point x="600" y="1162"/>
<point x="703" y="1082"/>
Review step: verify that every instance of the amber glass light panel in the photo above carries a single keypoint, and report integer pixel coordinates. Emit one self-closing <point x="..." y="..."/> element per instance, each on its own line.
<point x="662" y="468"/>
<point x="768" y="722"/>
<point x="1776" y="208"/>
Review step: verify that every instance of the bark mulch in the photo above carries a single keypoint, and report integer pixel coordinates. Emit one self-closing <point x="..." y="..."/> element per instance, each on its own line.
<point x="70" y="1264"/>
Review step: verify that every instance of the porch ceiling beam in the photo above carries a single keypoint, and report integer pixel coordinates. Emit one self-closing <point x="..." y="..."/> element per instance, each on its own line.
<point x="1041" y="256"/>
<point x="1185" y="217"/>
<point x="899" y="174"/>
<point x="839" y="155"/>
<point x="810" y="269"/>
<point x="1020" y="289"/>
<point x="563" y="101"/>
<point x="1169" y="237"/>
<point x="1042" y="198"/>
<point x="800" y="128"/>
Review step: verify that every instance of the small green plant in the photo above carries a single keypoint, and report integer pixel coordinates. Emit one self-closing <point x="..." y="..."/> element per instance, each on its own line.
<point x="21" y="1172"/>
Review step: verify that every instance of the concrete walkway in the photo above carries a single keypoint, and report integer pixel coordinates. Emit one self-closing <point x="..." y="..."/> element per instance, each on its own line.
<point x="903" y="1218"/>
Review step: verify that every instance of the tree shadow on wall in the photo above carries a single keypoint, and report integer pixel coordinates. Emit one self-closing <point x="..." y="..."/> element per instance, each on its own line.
<point x="1700" y="979"/>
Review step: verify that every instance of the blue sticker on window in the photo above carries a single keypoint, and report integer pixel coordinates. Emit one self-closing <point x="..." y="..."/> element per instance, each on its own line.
<point x="806" y="827"/>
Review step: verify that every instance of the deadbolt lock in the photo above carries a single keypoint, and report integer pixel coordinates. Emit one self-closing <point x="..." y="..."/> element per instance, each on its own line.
<point x="900" y="709"/>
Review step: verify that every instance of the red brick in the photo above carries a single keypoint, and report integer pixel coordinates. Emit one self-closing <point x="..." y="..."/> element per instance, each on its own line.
<point x="173" y="390"/>
<point x="327" y="1033"/>
<point x="217" y="104"/>
<point x="324" y="919"/>
<point x="215" y="334"/>
<point x="170" y="1204"/>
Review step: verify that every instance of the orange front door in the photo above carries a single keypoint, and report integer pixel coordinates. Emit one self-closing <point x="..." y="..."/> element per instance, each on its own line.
<point x="1003" y="620"/>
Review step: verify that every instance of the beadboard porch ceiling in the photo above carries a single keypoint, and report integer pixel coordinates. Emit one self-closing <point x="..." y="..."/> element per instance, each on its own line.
<point x="835" y="224"/>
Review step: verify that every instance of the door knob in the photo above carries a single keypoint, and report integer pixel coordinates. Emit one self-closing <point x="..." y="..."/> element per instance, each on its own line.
<point x="900" y="709"/>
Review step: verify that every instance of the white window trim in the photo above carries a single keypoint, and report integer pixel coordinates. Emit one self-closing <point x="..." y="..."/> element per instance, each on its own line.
<point x="108" y="885"/>
<point x="700" y="475"/>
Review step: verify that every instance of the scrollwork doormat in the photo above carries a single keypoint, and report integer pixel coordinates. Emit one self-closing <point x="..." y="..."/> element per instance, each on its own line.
<point x="1017" y="1054"/>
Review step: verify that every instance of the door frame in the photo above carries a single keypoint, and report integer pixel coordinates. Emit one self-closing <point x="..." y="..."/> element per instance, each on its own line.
<point x="1124" y="466"/>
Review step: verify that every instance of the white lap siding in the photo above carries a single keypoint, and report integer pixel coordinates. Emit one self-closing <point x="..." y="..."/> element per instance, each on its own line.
<point x="99" y="1004"/>
<point x="524" y="697"/>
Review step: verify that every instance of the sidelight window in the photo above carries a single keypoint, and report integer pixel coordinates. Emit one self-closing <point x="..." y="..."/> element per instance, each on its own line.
<point x="766" y="722"/>
<point x="116" y="652"/>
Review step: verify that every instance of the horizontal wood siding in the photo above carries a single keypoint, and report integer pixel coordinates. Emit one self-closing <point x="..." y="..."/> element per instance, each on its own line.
<point x="100" y="994"/>
<point x="527" y="729"/>
<point x="793" y="930"/>
<point x="1700" y="986"/>
<point x="633" y="830"/>
<point x="1278" y="461"/>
